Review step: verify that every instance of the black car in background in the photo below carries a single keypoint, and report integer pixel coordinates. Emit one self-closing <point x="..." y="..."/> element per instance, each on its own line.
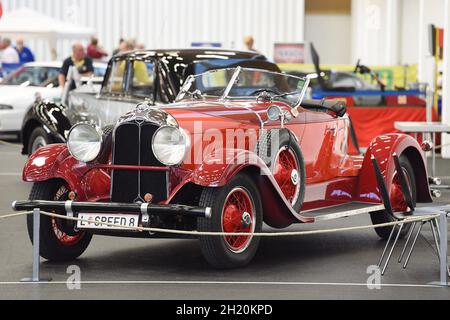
<point x="153" y="76"/>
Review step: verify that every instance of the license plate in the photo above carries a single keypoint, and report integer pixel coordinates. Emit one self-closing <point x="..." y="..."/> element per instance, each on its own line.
<point x="98" y="220"/>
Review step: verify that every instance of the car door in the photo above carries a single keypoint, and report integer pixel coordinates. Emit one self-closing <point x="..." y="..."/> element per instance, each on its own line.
<point x="318" y="145"/>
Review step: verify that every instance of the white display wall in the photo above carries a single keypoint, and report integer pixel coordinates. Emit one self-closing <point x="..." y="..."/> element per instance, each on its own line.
<point x="175" y="23"/>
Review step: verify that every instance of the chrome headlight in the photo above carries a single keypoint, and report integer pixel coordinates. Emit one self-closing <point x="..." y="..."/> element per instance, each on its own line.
<point x="170" y="145"/>
<point x="85" y="142"/>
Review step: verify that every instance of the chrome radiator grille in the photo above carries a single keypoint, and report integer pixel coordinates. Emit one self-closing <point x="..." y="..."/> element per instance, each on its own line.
<point x="132" y="146"/>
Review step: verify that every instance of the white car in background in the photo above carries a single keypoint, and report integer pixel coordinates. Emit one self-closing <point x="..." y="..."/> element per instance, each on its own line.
<point x="35" y="80"/>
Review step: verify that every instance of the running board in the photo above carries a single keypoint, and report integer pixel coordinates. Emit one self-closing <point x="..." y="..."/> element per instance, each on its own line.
<point x="343" y="211"/>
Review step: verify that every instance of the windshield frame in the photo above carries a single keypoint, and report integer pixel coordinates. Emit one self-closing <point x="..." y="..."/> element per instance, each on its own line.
<point x="184" y="91"/>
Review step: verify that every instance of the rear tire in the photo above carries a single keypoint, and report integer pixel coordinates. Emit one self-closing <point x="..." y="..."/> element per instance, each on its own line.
<point x="381" y="217"/>
<point x="58" y="240"/>
<point x="231" y="252"/>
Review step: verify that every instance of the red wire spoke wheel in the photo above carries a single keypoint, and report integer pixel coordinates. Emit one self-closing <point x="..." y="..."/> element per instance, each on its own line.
<point x="64" y="236"/>
<point x="236" y="208"/>
<point x="59" y="239"/>
<point x="280" y="151"/>
<point x="238" y="216"/>
<point x="286" y="173"/>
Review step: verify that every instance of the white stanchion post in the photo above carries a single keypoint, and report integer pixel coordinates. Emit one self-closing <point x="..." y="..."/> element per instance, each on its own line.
<point x="36" y="244"/>
<point x="36" y="277"/>
<point x="443" y="248"/>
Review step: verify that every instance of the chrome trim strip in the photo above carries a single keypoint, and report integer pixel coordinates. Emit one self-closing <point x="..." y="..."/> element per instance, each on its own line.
<point x="350" y="213"/>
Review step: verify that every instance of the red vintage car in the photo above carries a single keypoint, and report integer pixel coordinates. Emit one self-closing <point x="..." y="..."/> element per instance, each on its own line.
<point x="239" y="148"/>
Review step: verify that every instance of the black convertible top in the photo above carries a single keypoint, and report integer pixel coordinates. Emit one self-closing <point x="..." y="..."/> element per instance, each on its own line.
<point x="193" y="54"/>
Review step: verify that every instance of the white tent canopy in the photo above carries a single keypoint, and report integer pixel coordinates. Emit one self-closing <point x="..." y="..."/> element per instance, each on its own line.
<point x="34" y="25"/>
<point x="31" y="24"/>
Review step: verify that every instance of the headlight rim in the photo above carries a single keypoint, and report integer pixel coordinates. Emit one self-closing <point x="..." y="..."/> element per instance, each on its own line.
<point x="187" y="145"/>
<point x="97" y="129"/>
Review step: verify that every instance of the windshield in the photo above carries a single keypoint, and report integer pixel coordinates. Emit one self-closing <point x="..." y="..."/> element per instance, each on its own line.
<point x="135" y="78"/>
<point x="32" y="76"/>
<point x="244" y="83"/>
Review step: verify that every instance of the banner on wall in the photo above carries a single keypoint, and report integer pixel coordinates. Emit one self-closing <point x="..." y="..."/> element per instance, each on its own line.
<point x="289" y="53"/>
<point x="1" y="9"/>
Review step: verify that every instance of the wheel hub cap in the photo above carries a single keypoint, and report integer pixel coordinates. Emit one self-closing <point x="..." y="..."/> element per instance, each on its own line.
<point x="246" y="220"/>
<point x="294" y="177"/>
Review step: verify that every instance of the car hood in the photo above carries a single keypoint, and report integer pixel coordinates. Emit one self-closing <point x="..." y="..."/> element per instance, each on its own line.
<point x="14" y="94"/>
<point x="218" y="115"/>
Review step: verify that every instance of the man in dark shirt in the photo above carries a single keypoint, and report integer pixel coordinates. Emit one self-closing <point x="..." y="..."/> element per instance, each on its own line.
<point x="79" y="60"/>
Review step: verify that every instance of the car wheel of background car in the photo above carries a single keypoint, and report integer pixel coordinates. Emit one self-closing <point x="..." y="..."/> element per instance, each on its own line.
<point x="237" y="208"/>
<point x="59" y="240"/>
<point x="286" y="163"/>
<point x="38" y="139"/>
<point x="398" y="201"/>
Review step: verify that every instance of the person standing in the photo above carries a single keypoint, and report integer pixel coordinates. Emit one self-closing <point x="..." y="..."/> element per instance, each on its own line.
<point x="25" y="54"/>
<point x="78" y="60"/>
<point x="249" y="43"/>
<point x="121" y="42"/>
<point x="94" y="51"/>
<point x="9" y="54"/>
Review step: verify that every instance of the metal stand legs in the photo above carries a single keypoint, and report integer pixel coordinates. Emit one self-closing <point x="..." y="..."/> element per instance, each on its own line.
<point x="392" y="248"/>
<point x="36" y="245"/>
<point x="439" y="231"/>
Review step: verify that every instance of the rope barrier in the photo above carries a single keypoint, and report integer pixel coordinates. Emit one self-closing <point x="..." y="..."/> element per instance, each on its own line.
<point x="260" y="234"/>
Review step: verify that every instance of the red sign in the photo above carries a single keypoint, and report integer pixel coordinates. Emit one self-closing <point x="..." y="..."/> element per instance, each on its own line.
<point x="1" y="9"/>
<point x="289" y="53"/>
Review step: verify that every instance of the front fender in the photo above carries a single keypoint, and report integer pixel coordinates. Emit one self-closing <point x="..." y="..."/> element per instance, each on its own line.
<point x="278" y="212"/>
<point x="51" y="116"/>
<point x="55" y="162"/>
<point x="383" y="149"/>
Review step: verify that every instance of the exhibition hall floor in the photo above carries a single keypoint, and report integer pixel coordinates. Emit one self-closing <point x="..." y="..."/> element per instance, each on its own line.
<point x="331" y="266"/>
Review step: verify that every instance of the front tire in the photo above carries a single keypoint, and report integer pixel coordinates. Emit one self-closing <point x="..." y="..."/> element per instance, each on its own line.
<point x="398" y="202"/>
<point x="38" y="139"/>
<point x="58" y="240"/>
<point x="236" y="207"/>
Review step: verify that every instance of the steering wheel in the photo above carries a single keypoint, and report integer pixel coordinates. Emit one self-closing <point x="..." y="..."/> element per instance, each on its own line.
<point x="259" y="91"/>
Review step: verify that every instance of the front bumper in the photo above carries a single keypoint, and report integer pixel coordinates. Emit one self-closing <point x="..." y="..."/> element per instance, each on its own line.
<point x="145" y="210"/>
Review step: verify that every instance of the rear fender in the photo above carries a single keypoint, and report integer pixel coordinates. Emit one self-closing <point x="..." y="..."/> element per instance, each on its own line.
<point x="383" y="149"/>
<point x="278" y="212"/>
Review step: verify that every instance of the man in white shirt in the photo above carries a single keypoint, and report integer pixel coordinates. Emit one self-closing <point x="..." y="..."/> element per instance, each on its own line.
<point x="9" y="54"/>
